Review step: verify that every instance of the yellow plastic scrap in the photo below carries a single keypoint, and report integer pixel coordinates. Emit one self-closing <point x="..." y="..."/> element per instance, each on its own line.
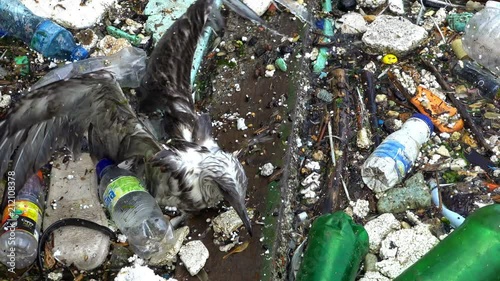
<point x="389" y="59"/>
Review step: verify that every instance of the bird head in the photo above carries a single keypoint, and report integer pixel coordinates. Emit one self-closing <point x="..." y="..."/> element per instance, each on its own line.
<point x="226" y="171"/>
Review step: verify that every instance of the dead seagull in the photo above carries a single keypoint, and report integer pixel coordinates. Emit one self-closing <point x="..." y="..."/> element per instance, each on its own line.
<point x="190" y="171"/>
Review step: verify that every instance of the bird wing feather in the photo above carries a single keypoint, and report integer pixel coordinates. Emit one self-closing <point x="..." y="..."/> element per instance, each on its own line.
<point x="60" y="114"/>
<point x="166" y="86"/>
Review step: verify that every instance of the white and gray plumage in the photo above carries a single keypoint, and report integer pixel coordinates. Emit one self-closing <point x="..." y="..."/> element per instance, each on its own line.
<point x="190" y="171"/>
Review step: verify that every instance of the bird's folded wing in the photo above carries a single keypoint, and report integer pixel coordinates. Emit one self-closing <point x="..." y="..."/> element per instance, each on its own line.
<point x="60" y="114"/>
<point x="166" y="86"/>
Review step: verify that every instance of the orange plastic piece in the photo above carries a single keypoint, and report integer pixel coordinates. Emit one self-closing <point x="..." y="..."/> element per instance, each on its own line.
<point x="434" y="108"/>
<point x="492" y="186"/>
<point x="40" y="175"/>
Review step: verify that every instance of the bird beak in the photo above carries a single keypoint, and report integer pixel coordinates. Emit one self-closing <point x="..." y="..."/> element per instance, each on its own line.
<point x="238" y="204"/>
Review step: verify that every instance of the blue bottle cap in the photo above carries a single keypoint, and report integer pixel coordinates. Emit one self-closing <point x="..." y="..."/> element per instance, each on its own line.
<point x="103" y="163"/>
<point x="79" y="53"/>
<point x="426" y="119"/>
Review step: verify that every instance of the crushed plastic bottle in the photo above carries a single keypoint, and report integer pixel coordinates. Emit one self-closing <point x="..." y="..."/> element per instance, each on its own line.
<point x="21" y="221"/>
<point x="482" y="37"/>
<point x="391" y="161"/>
<point x="335" y="249"/>
<point x="128" y="66"/>
<point x="42" y="35"/>
<point x="470" y="252"/>
<point x="134" y="211"/>
<point x="487" y="83"/>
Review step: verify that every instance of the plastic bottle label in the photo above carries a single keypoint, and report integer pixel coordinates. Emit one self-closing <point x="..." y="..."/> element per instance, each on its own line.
<point x="397" y="151"/>
<point x="118" y="188"/>
<point x="22" y="215"/>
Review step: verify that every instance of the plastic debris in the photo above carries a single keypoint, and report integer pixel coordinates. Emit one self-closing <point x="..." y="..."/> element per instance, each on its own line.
<point x="455" y="219"/>
<point x="333" y="257"/>
<point x="443" y="116"/>
<point x="458" y="48"/>
<point x="22" y="65"/>
<point x="281" y="64"/>
<point x="127" y="66"/>
<point x="298" y="10"/>
<point x="43" y="35"/>
<point x="170" y="249"/>
<point x="479" y="231"/>
<point x="481" y="38"/>
<point x="395" y="156"/>
<point x="133" y="39"/>
<point x="22" y="220"/>
<point x="389" y="59"/>
<point x="134" y="211"/>
<point x="487" y="83"/>
<point x="458" y="22"/>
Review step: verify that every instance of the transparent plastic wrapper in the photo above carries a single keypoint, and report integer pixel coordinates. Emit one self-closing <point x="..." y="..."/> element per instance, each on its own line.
<point x="470" y="252"/>
<point x="43" y="35"/>
<point x="134" y="211"/>
<point x="335" y="249"/>
<point x="128" y="66"/>
<point x="482" y="37"/>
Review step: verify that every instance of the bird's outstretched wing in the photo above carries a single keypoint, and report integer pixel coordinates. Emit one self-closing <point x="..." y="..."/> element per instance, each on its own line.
<point x="166" y="86"/>
<point x="60" y="114"/>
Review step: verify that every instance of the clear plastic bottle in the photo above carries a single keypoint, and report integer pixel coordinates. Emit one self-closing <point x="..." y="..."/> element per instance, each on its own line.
<point x="134" y="211"/>
<point x="22" y="220"/>
<point x="43" y="35"/>
<point x="482" y="37"/>
<point x="393" y="158"/>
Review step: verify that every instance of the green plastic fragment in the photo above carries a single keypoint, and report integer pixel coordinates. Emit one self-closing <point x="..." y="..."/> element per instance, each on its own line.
<point x="281" y="64"/>
<point x="458" y="22"/>
<point x="322" y="59"/>
<point x="23" y="65"/>
<point x="115" y="32"/>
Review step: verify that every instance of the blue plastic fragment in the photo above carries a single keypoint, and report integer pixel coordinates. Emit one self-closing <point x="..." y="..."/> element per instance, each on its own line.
<point x="320" y="24"/>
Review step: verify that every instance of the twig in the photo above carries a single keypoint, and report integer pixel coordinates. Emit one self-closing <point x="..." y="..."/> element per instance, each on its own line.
<point x="367" y="77"/>
<point x="460" y="106"/>
<point x="330" y="136"/>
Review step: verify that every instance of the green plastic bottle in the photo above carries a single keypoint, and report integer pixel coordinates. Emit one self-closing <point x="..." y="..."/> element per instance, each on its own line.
<point x="335" y="249"/>
<point x="471" y="252"/>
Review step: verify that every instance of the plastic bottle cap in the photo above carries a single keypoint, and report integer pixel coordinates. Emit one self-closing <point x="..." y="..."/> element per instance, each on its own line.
<point x="424" y="118"/>
<point x="79" y="53"/>
<point x="103" y="163"/>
